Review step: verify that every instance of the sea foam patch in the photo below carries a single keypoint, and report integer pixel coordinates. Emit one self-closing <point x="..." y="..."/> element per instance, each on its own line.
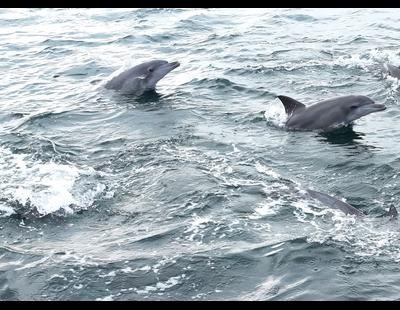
<point x="43" y="188"/>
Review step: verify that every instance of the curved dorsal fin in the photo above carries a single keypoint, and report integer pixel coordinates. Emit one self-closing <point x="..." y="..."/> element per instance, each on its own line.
<point x="290" y="104"/>
<point x="392" y="212"/>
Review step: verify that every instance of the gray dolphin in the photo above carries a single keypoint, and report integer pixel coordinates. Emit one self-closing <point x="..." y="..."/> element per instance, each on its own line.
<point x="142" y="77"/>
<point x="393" y="71"/>
<point x="343" y="206"/>
<point x="328" y="113"/>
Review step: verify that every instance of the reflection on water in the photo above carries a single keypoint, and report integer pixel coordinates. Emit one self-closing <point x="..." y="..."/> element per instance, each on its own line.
<point x="342" y="136"/>
<point x="150" y="96"/>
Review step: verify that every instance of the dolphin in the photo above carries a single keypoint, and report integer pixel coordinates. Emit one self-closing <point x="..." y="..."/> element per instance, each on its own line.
<point x="142" y="77"/>
<point x="335" y="203"/>
<point x="329" y="113"/>
<point x="393" y="71"/>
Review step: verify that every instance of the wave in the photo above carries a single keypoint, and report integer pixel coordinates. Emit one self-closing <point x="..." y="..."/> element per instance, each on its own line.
<point x="69" y="42"/>
<point x="296" y="17"/>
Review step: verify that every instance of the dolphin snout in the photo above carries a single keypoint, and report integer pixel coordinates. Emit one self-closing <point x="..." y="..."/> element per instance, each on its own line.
<point x="371" y="108"/>
<point x="174" y="64"/>
<point x="379" y="107"/>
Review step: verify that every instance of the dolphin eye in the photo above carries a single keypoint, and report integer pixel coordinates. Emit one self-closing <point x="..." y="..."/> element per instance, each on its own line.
<point x="353" y="107"/>
<point x="151" y="69"/>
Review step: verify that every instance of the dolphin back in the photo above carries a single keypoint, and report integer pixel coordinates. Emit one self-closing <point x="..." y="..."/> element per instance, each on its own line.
<point x="393" y="70"/>
<point x="334" y="203"/>
<point x="118" y="81"/>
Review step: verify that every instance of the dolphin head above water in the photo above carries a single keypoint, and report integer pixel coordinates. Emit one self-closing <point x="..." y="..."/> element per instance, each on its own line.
<point x="359" y="106"/>
<point x="142" y="77"/>
<point x="328" y="113"/>
<point x="155" y="70"/>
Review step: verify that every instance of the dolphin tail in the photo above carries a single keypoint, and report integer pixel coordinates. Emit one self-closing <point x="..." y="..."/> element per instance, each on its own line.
<point x="392" y="212"/>
<point x="290" y="104"/>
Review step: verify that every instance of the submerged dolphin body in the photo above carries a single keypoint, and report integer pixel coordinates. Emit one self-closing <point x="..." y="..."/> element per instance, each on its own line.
<point x="335" y="203"/>
<point x="142" y="77"/>
<point x="328" y="113"/>
<point x="393" y="71"/>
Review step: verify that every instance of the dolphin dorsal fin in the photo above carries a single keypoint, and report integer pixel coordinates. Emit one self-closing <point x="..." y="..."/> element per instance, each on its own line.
<point x="290" y="104"/>
<point x="392" y="212"/>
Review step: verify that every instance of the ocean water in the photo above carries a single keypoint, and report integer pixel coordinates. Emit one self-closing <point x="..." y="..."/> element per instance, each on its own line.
<point x="195" y="191"/>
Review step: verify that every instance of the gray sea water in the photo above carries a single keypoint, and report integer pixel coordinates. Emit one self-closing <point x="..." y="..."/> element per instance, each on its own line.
<point x="195" y="191"/>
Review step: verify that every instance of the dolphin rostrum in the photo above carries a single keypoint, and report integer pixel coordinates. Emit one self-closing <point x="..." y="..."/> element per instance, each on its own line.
<point x="142" y="77"/>
<point x="335" y="203"/>
<point x="328" y="113"/>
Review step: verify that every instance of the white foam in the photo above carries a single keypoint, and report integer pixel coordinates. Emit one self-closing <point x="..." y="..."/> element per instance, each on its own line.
<point x="353" y="60"/>
<point x="266" y="208"/>
<point x="110" y="274"/>
<point x="363" y="236"/>
<point x="393" y="82"/>
<point x="266" y="170"/>
<point x="235" y="149"/>
<point x="107" y="298"/>
<point x="306" y="209"/>
<point x="169" y="283"/>
<point x="45" y="187"/>
<point x="265" y="290"/>
<point x="130" y="270"/>
<point x="197" y="225"/>
<point x="5" y="210"/>
<point x="276" y="114"/>
<point x="58" y="276"/>
<point x="368" y="60"/>
<point x="161" y="286"/>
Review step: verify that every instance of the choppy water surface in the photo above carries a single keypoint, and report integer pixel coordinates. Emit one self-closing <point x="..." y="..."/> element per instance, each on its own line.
<point x="195" y="192"/>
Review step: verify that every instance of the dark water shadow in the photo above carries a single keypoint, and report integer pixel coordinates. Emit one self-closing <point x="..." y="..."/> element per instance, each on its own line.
<point x="148" y="101"/>
<point x="150" y="96"/>
<point x="345" y="136"/>
<point x="147" y="97"/>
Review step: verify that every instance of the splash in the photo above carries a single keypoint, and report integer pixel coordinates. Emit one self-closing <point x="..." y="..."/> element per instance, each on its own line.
<point x="364" y="237"/>
<point x="275" y="114"/>
<point x="40" y="188"/>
